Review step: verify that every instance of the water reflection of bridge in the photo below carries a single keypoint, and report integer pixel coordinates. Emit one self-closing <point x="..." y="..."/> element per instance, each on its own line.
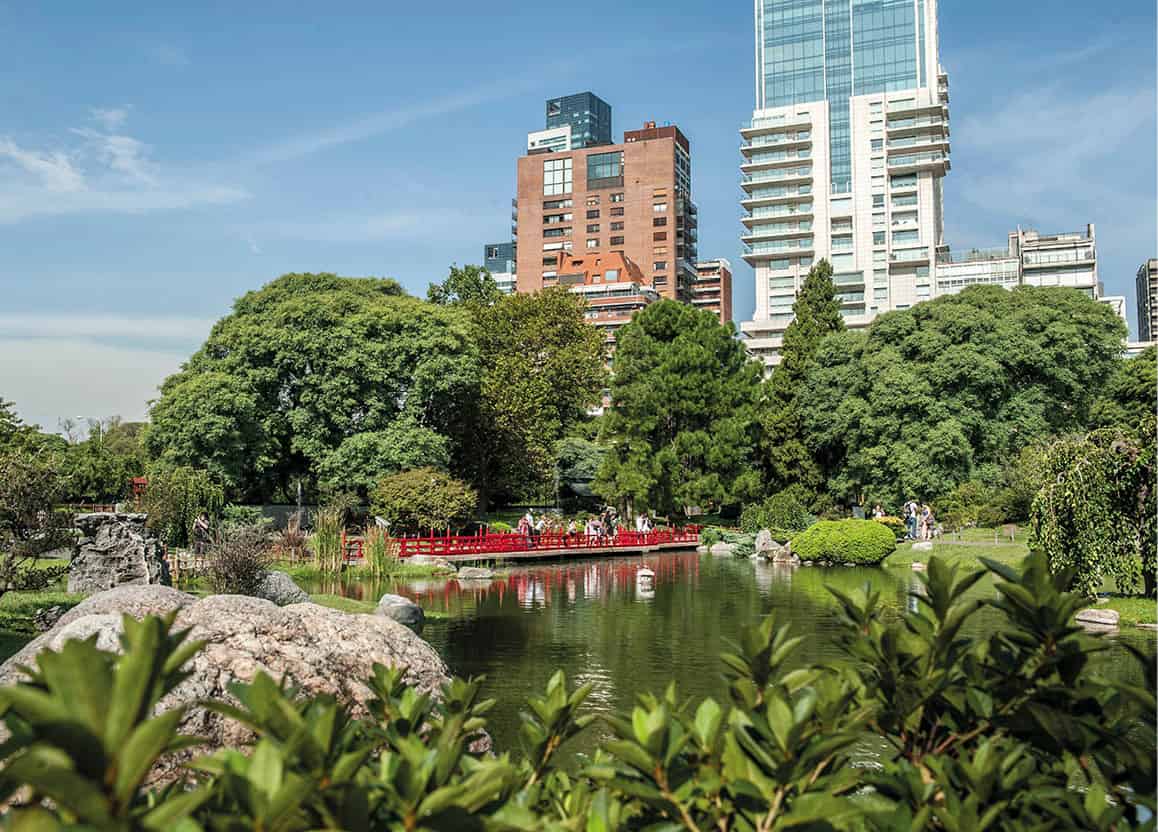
<point x="565" y="583"/>
<point x="514" y="546"/>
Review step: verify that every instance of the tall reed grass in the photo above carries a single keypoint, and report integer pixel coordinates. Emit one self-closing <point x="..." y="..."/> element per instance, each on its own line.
<point x="326" y="541"/>
<point x="380" y="552"/>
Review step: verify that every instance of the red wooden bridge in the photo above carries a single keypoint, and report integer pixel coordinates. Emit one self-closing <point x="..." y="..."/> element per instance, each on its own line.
<point x="515" y="546"/>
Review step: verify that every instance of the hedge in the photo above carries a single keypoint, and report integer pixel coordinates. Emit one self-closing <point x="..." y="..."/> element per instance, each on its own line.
<point x="863" y="542"/>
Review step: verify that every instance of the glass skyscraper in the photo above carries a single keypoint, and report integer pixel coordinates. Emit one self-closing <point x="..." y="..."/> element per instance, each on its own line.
<point x="588" y="116"/>
<point x="844" y="157"/>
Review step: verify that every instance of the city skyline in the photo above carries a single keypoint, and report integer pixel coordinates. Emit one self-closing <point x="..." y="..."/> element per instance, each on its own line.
<point x="194" y="161"/>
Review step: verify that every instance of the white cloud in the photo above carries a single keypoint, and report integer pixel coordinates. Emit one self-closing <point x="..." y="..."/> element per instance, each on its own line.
<point x="51" y="379"/>
<point x="97" y="326"/>
<point x="102" y="173"/>
<point x="306" y="144"/>
<point x="54" y="169"/>
<point x="110" y="118"/>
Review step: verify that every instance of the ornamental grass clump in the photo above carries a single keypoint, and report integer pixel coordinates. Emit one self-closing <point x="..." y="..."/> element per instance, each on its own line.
<point x="326" y="541"/>
<point x="862" y="542"/>
<point x="1012" y="728"/>
<point x="379" y="551"/>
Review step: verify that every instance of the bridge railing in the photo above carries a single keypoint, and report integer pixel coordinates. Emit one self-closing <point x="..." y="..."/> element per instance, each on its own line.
<point x="499" y="543"/>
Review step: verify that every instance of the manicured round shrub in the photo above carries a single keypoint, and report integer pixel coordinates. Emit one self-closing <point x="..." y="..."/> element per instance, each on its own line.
<point x="423" y="500"/>
<point x="895" y="524"/>
<point x="863" y="542"/>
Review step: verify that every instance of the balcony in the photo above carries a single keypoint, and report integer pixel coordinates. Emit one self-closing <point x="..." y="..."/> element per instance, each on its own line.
<point x="769" y="162"/>
<point x="936" y="161"/>
<point x="801" y="138"/>
<point x="768" y="126"/>
<point x="776" y="232"/>
<point x="763" y="215"/>
<point x="762" y="197"/>
<point x="917" y="142"/>
<point x="749" y="181"/>
<point x="757" y="252"/>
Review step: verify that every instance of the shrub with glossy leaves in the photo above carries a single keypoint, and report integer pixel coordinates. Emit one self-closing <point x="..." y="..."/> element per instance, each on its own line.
<point x="864" y="542"/>
<point x="423" y="500"/>
<point x="1010" y="729"/>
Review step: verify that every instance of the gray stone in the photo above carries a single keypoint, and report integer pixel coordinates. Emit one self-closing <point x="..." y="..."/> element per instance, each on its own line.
<point x="1097" y="618"/>
<point x="114" y="550"/>
<point x="764" y="545"/>
<point x="45" y="618"/>
<point x="402" y="610"/>
<point x="430" y="560"/>
<point x="923" y="546"/>
<point x="703" y="550"/>
<point x="280" y="588"/>
<point x="320" y="650"/>
<point x="722" y="549"/>
<point x="475" y="573"/>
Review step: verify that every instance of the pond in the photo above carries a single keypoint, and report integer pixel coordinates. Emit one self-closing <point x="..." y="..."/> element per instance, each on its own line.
<point x="593" y="619"/>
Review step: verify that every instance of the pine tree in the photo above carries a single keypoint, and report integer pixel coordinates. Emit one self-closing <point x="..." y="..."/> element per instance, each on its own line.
<point x="787" y="459"/>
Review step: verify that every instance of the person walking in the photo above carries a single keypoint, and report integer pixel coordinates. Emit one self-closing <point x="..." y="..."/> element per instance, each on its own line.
<point x="926" y="522"/>
<point x="911" y="520"/>
<point x="201" y="534"/>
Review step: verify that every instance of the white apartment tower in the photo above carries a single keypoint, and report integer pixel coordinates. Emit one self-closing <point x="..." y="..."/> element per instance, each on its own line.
<point x="844" y="157"/>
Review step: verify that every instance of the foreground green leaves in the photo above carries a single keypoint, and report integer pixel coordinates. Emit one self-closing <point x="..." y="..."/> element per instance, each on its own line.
<point x="921" y="724"/>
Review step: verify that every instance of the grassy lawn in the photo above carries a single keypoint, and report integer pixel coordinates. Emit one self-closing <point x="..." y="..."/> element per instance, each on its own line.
<point x="309" y="572"/>
<point x="965" y="554"/>
<point x="338" y="602"/>
<point x="1133" y="610"/>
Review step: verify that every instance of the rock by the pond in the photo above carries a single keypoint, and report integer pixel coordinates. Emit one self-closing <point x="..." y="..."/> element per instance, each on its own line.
<point x="322" y="651"/>
<point x="919" y="567"/>
<point x="703" y="550"/>
<point x="280" y="588"/>
<point x="923" y="546"/>
<point x="783" y="554"/>
<point x="722" y="549"/>
<point x="475" y="573"/>
<point x="764" y="545"/>
<point x="1097" y="618"/>
<point x="45" y="618"/>
<point x="431" y="560"/>
<point x="402" y="610"/>
<point x="114" y="550"/>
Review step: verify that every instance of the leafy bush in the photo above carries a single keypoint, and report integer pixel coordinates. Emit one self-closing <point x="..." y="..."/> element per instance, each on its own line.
<point x="37" y="576"/>
<point x="234" y="516"/>
<point x="845" y="541"/>
<point x="29" y="486"/>
<point x="711" y="536"/>
<point x="785" y="511"/>
<point x="424" y="500"/>
<point x="238" y="563"/>
<point x="1010" y="730"/>
<point x="894" y="524"/>
<point x="174" y="498"/>
<point x="499" y="527"/>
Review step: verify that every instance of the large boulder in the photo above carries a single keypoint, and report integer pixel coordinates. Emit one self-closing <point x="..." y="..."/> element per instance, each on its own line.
<point x="322" y="651"/>
<point x="764" y="545"/>
<point x="115" y="549"/>
<point x="1094" y="618"/>
<point x="475" y="573"/>
<point x="923" y="546"/>
<point x="280" y="588"/>
<point x="403" y="610"/>
<point x="722" y="549"/>
<point x="439" y="564"/>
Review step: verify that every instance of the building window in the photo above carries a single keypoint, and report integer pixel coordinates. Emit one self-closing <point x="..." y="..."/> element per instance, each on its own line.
<point x="842" y="225"/>
<point x="556" y="177"/>
<point x="611" y="275"/>
<point x="659" y="250"/>
<point x="878" y="238"/>
<point x="602" y="166"/>
<point x="617" y="212"/>
<point x="550" y="274"/>
<point x="842" y="242"/>
<point x="555" y="219"/>
<point x="660" y="265"/>
<point x="877" y="144"/>
<point x="594" y="243"/>
<point x="659" y="222"/>
<point x="554" y="204"/>
<point x="878" y="200"/>
<point x="616" y="241"/>
<point x="617" y="197"/>
<point x="616" y="226"/>
<point x="659" y="208"/>
<point x="548" y="261"/>
<point x="592" y="200"/>
<point x="659" y="236"/>
<point x="905" y="237"/>
<point x="556" y="232"/>
<point x="593" y="228"/>
<point x="660" y="280"/>
<point x="593" y="215"/>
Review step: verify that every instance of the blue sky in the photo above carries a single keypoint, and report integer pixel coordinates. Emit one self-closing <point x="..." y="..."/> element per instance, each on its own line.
<point x="158" y="160"/>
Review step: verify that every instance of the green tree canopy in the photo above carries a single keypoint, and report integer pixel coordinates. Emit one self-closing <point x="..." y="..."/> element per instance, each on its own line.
<point x="304" y="364"/>
<point x="816" y="312"/>
<point x="468" y="284"/>
<point x="681" y="428"/>
<point x="363" y="459"/>
<point x="952" y="389"/>
<point x="1129" y="396"/>
<point x="99" y="468"/>
<point x="543" y="368"/>
<point x="424" y="500"/>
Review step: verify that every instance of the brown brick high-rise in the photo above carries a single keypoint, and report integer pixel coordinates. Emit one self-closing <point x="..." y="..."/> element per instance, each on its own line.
<point x="632" y="198"/>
